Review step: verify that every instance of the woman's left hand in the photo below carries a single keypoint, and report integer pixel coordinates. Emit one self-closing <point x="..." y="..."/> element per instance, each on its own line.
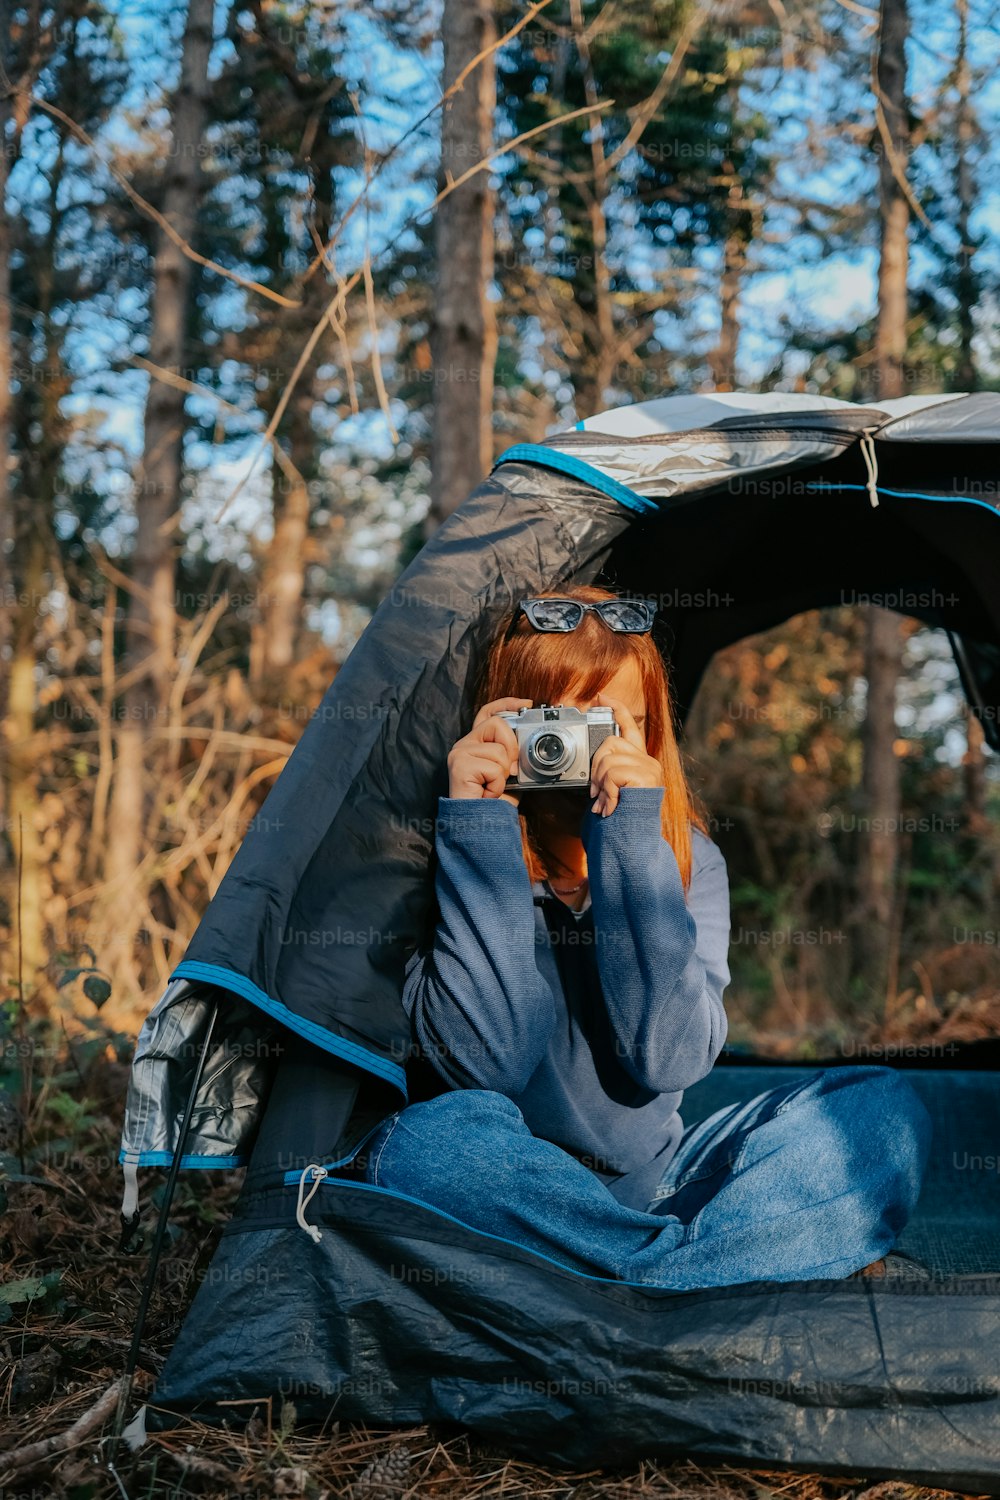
<point x="620" y="760"/>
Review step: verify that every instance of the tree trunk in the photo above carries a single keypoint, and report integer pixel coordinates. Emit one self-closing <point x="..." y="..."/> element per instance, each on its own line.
<point x="883" y="645"/>
<point x="34" y="545"/>
<point x="894" y="210"/>
<point x="13" y="118"/>
<point x="722" y="360"/>
<point x="976" y="823"/>
<point x="881" y="767"/>
<point x="965" y="281"/>
<point x="974" y="815"/>
<point x="295" y="465"/>
<point x="6" y="404"/>
<point x="593" y="291"/>
<point x="283" y="580"/>
<point x="150" y="622"/>
<point x="464" y="339"/>
<point x="26" y="879"/>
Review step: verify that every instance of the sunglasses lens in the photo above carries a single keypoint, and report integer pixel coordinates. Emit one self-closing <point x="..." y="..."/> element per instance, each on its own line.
<point x="554" y="614"/>
<point x="623" y="615"/>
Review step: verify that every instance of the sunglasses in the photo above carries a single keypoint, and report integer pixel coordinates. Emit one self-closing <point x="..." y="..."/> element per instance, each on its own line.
<point x="627" y="616"/>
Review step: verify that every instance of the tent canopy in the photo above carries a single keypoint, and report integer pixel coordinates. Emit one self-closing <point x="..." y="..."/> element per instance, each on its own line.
<point x="735" y="512"/>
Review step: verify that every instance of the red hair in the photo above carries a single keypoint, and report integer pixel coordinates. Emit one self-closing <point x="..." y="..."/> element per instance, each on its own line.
<point x="544" y="666"/>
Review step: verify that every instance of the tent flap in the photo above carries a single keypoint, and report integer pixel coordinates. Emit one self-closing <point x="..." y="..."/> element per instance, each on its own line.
<point x="399" y="1316"/>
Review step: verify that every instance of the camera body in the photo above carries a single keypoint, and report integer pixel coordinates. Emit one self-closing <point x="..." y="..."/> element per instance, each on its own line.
<point x="556" y="744"/>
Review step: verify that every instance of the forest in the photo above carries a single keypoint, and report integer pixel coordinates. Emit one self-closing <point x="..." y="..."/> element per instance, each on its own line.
<point x="279" y="285"/>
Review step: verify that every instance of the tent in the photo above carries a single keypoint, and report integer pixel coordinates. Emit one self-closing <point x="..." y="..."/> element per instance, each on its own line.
<point x="280" y="1039"/>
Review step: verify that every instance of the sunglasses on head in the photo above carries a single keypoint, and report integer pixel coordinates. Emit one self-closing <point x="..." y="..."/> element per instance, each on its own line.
<point x="628" y="616"/>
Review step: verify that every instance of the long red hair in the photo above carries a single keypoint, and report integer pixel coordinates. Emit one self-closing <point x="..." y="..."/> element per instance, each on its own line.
<point x="543" y="666"/>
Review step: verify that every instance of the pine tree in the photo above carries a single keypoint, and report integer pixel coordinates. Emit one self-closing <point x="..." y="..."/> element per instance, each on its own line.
<point x="68" y="55"/>
<point x="149" y="664"/>
<point x="623" y="204"/>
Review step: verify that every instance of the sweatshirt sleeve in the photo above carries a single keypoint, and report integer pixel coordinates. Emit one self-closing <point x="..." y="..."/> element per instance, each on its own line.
<point x="478" y="1004"/>
<point x="663" y="961"/>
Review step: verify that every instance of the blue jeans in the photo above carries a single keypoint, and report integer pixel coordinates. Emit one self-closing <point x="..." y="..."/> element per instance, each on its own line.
<point x="813" y="1179"/>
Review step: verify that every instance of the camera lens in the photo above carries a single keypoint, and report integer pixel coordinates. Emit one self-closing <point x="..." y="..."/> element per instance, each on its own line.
<point x="549" y="751"/>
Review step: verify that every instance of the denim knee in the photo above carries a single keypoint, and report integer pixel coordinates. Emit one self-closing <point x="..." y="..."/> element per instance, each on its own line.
<point x="895" y="1129"/>
<point x="414" y="1142"/>
<point x="459" y="1109"/>
<point x="435" y="1150"/>
<point x="886" y="1093"/>
<point x="909" y="1115"/>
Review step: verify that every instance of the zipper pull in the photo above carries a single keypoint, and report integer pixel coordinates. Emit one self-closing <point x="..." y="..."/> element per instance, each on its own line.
<point x="318" y="1174"/>
<point x="871" y="462"/>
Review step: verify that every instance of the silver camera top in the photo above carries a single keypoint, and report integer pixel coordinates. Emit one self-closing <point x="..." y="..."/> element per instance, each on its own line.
<point x="556" y="743"/>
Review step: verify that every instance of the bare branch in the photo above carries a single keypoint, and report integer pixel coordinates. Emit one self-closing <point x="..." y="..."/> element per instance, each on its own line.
<point x="20" y="1460"/>
<point x="142" y="203"/>
<point x="648" y="107"/>
<point x="336" y="304"/>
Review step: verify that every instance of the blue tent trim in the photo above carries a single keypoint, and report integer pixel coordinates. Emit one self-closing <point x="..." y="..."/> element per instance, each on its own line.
<point x="819" y="486"/>
<point x="165" y="1159"/>
<point x="551" y="458"/>
<point x="312" y="1031"/>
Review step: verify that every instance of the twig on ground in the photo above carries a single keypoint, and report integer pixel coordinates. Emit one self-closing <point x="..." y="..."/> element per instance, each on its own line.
<point x="18" y="1460"/>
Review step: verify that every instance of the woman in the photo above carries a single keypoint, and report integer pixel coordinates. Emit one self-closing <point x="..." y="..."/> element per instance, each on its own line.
<point x="573" y="989"/>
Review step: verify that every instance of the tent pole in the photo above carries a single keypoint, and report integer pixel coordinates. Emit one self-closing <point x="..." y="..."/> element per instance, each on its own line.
<point x="965" y="672"/>
<point x="128" y="1374"/>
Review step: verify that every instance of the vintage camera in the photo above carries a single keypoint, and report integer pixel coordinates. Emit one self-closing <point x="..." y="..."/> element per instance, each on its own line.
<point x="556" y="744"/>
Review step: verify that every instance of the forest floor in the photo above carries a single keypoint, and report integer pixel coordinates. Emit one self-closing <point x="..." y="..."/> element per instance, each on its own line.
<point x="68" y="1301"/>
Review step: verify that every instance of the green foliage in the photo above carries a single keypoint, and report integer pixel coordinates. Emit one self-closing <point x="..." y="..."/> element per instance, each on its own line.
<point x="26" y="1289"/>
<point x="76" y="1114"/>
<point x="680" y="191"/>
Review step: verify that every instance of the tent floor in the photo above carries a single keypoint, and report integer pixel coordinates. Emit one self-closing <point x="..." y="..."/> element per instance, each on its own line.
<point x="955" y="1230"/>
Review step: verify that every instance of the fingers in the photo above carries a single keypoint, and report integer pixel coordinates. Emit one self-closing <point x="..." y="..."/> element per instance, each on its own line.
<point x="616" y="764"/>
<point x="498" y="758"/>
<point x="623" y="756"/>
<point x="630" y="730"/>
<point x="619" y="760"/>
<point x="500" y="705"/>
<point x="496" y="731"/>
<point x="607" y="796"/>
<point x="480" y="763"/>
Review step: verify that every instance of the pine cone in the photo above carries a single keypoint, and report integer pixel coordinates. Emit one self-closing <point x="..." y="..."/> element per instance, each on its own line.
<point x="385" y="1478"/>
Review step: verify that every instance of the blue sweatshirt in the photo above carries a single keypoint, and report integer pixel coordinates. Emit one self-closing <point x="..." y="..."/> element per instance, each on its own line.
<point x="592" y="1024"/>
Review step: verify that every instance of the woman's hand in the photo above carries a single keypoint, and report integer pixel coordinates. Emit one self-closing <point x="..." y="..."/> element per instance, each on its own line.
<point x="480" y="762"/>
<point x="620" y="760"/>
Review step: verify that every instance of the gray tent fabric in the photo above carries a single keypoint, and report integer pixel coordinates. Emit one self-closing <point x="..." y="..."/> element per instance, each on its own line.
<point x="714" y="507"/>
<point x="401" y="1315"/>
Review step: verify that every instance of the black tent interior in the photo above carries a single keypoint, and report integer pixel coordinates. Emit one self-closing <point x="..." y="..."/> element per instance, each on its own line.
<point x="737" y="513"/>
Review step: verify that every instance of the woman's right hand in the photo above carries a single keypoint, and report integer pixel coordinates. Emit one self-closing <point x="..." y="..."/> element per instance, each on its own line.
<point x="480" y="762"/>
